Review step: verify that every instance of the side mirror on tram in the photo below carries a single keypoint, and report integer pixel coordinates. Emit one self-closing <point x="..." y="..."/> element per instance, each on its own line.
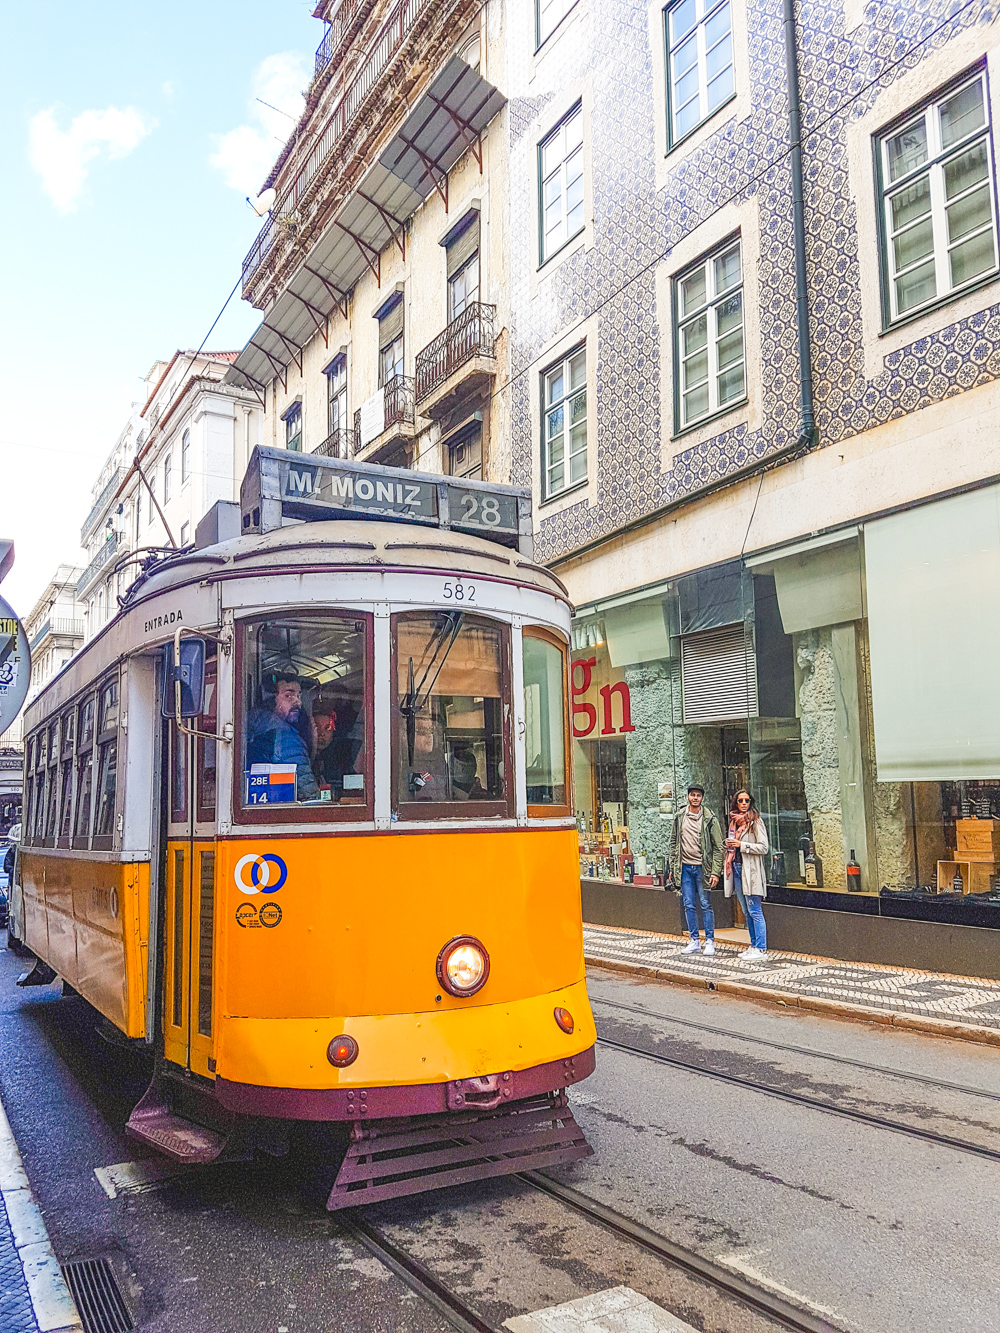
<point x="190" y="673"/>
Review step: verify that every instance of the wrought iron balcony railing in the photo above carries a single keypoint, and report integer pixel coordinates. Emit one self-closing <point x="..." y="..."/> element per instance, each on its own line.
<point x="100" y="560"/>
<point x="469" y="335"/>
<point x="397" y="409"/>
<point x="98" y="509"/>
<point x="339" y="444"/>
<point x="334" y="34"/>
<point x="391" y="38"/>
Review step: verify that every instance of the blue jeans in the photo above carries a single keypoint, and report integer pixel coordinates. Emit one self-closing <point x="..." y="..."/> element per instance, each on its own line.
<point x="692" y="889"/>
<point x="753" y="910"/>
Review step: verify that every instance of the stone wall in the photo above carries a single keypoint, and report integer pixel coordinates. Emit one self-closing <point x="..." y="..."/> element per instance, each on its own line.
<point x="815" y="678"/>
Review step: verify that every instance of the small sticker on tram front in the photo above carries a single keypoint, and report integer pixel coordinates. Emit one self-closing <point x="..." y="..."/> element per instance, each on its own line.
<point x="250" y="918"/>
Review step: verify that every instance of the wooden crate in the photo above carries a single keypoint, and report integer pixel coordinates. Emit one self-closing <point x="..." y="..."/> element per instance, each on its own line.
<point x="976" y="875"/>
<point x="978" y="840"/>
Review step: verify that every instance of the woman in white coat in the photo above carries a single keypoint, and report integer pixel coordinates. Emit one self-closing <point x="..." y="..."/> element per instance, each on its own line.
<point x="746" y="846"/>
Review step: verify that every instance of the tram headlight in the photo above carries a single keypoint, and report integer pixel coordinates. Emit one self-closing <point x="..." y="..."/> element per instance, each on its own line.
<point x="563" y="1018"/>
<point x="463" y="966"/>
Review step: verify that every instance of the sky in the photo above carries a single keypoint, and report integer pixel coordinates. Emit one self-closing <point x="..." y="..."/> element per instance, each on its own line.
<point x="132" y="135"/>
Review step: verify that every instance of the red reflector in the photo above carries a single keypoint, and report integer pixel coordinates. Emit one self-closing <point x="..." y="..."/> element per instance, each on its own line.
<point x="564" y="1018"/>
<point x="342" y="1051"/>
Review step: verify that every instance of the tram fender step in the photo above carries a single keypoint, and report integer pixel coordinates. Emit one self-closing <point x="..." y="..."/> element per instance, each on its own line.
<point x="390" y="1158"/>
<point x="40" y="975"/>
<point x="154" y="1123"/>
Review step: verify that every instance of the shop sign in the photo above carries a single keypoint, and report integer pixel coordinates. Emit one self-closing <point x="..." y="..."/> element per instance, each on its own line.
<point x="585" y="714"/>
<point x="15" y="666"/>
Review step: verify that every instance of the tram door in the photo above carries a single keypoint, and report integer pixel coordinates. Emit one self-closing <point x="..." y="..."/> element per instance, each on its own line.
<point x="189" y="897"/>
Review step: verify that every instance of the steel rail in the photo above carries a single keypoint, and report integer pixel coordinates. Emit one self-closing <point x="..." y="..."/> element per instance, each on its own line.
<point x="420" y="1280"/>
<point x="812" y="1103"/>
<point x="756" y="1298"/>
<point x="800" y="1050"/>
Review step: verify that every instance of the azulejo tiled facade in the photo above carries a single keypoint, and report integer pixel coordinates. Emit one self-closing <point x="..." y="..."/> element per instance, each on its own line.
<point x="605" y="55"/>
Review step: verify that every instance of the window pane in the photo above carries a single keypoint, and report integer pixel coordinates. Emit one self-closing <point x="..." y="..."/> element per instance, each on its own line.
<point x="907" y="149"/>
<point x="552" y="153"/>
<point x="205" y="769"/>
<point x="555" y="479"/>
<point x="578" y="462"/>
<point x="728" y="270"/>
<point x="573" y="130"/>
<point x="545" y="724"/>
<point x="52" y="812"/>
<point x="912" y="203"/>
<point x="450" y="701"/>
<point x="970" y="213"/>
<point x="731" y="385"/>
<point x="578" y="370"/>
<point x="972" y="257"/>
<point x="303" y="710"/>
<point x="962" y="113"/>
<point x="84" y="784"/>
<point x="913" y="245"/>
<point x="695" y="335"/>
<point x="916" y="287"/>
<point x="721" y="88"/>
<point x="716" y="30"/>
<point x="730" y="349"/>
<point x="66" y="823"/>
<point x="966" y="170"/>
<point x="695" y="404"/>
<point x="687" y="118"/>
<point x="682" y="19"/>
<point x="693" y="292"/>
<point x="686" y="90"/>
<point x="178" y="775"/>
<point x="86" y="730"/>
<point x="109" y="707"/>
<point x="729" y="314"/>
<point x="577" y="409"/>
<point x="696" y="370"/>
<point x="554" y="422"/>
<point x="106" y="801"/>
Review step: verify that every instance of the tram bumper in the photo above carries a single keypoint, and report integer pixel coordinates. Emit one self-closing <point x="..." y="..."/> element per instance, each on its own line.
<point x="407" y="1064"/>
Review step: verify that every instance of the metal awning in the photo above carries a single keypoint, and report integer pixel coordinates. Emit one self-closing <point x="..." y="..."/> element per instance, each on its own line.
<point x="445" y="122"/>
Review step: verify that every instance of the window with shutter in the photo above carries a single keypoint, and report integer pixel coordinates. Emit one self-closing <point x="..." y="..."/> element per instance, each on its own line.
<point x="719" y="675"/>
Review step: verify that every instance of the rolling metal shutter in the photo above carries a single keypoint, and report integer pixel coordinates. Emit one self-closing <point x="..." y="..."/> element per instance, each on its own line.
<point x="718" y="675"/>
<point x="463" y="242"/>
<point x="390" y="322"/>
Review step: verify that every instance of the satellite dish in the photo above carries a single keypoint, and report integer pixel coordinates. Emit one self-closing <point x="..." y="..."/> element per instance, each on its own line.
<point x="263" y="203"/>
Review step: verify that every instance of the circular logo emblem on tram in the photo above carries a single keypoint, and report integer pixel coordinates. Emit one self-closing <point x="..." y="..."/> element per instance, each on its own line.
<point x="267" y="873"/>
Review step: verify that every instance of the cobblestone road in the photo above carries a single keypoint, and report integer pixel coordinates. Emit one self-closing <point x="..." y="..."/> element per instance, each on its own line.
<point x="971" y="1000"/>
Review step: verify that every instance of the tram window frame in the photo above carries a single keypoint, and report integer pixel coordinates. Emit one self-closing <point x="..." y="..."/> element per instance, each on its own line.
<point x="106" y="741"/>
<point x="565" y="809"/>
<point x="205" y="809"/>
<point x="67" y="769"/>
<point x="52" y="785"/>
<point x="454" y="810"/>
<point x="293" y="813"/>
<point x="85" y="745"/>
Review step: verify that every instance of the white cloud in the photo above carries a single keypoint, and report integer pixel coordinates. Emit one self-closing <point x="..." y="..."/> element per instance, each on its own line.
<point x="62" y="157"/>
<point x="245" y="155"/>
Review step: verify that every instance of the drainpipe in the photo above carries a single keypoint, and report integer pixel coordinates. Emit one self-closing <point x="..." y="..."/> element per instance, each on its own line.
<point x="808" y="426"/>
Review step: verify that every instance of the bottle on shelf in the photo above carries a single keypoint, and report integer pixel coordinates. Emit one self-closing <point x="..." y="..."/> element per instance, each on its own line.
<point x="853" y="875"/>
<point x="813" y="868"/>
<point x="957" y="884"/>
<point x="803" y="853"/>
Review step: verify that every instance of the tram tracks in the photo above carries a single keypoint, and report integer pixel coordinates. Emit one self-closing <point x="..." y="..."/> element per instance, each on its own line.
<point x="904" y="1075"/>
<point x="804" y="1100"/>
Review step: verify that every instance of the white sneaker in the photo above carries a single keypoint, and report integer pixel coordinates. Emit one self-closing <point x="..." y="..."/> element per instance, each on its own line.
<point x="752" y="953"/>
<point x="693" y="947"/>
<point x="709" y="948"/>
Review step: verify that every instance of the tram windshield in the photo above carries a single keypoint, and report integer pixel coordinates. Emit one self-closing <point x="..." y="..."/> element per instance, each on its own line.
<point x="303" y="712"/>
<point x="451" y="694"/>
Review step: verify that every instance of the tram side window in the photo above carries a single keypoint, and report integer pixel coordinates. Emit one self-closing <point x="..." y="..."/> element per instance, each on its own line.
<point x="84" y="771"/>
<point x="52" y="806"/>
<point x="303" y="712"/>
<point x="205" y="768"/>
<point x="545" y="721"/>
<point x="107" y="739"/>
<point x="451" y="695"/>
<point x="41" y="789"/>
<point x="68" y="729"/>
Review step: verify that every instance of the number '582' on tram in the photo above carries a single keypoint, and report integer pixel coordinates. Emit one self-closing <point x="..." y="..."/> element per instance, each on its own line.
<point x="299" y="825"/>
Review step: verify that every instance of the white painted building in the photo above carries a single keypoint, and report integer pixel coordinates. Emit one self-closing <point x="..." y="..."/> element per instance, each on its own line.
<point x="184" y="448"/>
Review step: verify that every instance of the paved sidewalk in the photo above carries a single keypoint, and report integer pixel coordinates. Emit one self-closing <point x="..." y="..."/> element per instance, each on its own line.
<point x="967" y="1007"/>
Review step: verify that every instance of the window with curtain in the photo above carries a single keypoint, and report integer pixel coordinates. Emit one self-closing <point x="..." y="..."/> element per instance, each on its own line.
<point x="937" y="199"/>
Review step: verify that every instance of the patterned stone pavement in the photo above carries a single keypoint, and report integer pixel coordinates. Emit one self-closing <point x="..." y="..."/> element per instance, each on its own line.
<point x="970" y="1000"/>
<point x="16" y="1313"/>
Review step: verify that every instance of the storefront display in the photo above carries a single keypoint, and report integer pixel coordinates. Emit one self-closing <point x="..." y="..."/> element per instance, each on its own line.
<point x="803" y="674"/>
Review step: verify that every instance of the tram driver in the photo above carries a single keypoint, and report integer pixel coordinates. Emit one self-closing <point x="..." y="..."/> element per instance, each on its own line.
<point x="275" y="737"/>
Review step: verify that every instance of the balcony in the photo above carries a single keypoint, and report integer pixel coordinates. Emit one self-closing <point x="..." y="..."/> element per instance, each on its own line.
<point x="100" y="561"/>
<point x="339" y="444"/>
<point x="95" y="515"/>
<point x="333" y="38"/>
<point x="386" y="423"/>
<point x="74" y="628"/>
<point x="458" y="362"/>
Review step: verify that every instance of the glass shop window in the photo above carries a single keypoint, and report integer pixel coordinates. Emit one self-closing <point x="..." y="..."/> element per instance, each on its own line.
<point x="545" y="722"/>
<point x="107" y="741"/>
<point x="453" y="706"/>
<point x="305" y="704"/>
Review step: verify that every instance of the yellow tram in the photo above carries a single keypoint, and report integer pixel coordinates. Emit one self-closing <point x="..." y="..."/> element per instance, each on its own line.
<point x="339" y="882"/>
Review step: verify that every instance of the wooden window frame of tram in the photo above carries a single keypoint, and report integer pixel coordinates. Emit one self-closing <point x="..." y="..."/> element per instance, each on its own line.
<point x="466" y="810"/>
<point x="565" y="810"/>
<point x="292" y="813"/>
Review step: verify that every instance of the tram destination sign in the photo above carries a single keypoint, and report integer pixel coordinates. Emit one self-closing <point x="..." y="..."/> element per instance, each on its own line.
<point x="280" y="484"/>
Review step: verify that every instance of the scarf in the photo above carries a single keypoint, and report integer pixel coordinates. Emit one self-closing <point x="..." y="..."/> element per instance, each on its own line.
<point x="738" y="825"/>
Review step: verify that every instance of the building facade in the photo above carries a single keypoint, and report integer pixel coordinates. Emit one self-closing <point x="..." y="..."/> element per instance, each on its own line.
<point x="183" y="448"/>
<point x="54" y="627"/>
<point x="379" y="271"/>
<point x="762" y="439"/>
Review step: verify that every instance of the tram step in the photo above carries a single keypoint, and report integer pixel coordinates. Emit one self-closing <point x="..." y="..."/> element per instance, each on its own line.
<point x="154" y="1123"/>
<point x="390" y="1158"/>
<point x="40" y="975"/>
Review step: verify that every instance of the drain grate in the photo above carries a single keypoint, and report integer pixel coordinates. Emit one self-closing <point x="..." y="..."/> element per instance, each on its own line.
<point x="98" y="1297"/>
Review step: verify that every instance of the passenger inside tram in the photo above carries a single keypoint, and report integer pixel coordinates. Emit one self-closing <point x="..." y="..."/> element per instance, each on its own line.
<point x="275" y="736"/>
<point x="337" y="743"/>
